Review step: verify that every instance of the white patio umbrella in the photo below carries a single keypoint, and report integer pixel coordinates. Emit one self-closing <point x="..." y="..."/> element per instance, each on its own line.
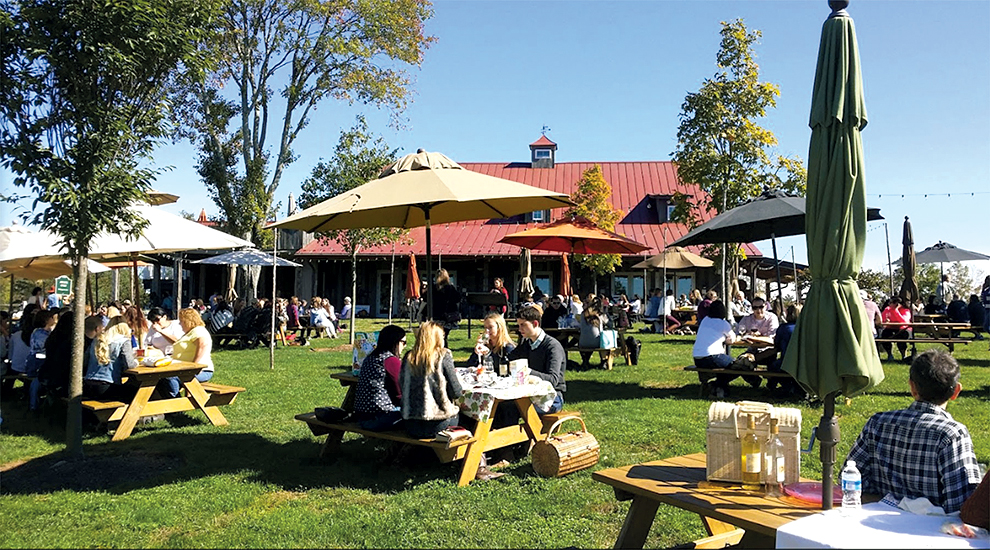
<point x="249" y="256"/>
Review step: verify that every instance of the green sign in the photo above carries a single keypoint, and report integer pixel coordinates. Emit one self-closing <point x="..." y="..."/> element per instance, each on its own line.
<point x="63" y="285"/>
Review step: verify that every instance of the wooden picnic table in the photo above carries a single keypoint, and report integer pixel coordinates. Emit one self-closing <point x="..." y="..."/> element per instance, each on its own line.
<point x="932" y="332"/>
<point x="485" y="437"/>
<point x="729" y="513"/>
<point x="146" y="378"/>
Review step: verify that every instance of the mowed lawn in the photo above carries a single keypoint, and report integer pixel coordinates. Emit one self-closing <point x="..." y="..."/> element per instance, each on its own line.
<point x="258" y="482"/>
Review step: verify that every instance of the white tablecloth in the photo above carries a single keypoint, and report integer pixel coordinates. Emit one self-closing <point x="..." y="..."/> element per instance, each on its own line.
<point x="477" y="402"/>
<point x="877" y="525"/>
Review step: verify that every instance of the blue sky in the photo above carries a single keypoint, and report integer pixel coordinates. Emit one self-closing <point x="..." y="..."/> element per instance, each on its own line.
<point x="609" y="78"/>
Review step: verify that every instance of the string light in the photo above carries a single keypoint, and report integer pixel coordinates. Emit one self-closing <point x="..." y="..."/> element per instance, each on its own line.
<point x="927" y="195"/>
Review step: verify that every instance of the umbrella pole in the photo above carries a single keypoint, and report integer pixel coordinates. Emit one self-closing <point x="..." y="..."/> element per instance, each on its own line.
<point x="10" y="304"/>
<point x="780" y="287"/>
<point x="271" y="344"/>
<point x="429" y="265"/>
<point x="890" y="269"/>
<point x="828" y="434"/>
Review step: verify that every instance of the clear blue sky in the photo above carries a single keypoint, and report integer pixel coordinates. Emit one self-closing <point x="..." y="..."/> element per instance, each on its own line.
<point x="609" y="78"/>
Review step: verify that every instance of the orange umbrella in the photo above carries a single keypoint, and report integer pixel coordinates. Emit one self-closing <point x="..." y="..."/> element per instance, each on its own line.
<point x="412" y="280"/>
<point x="576" y="235"/>
<point x="565" y="276"/>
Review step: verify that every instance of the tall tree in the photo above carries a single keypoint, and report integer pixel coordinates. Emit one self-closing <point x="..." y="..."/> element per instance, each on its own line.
<point x="358" y="159"/>
<point x="720" y="146"/>
<point x="351" y="50"/>
<point x="83" y="104"/>
<point x="592" y="200"/>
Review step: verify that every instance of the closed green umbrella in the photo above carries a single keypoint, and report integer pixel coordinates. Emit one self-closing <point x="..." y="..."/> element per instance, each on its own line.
<point x="909" y="288"/>
<point x="832" y="351"/>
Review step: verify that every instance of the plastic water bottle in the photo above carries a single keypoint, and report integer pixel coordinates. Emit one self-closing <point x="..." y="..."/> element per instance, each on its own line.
<point x="852" y="488"/>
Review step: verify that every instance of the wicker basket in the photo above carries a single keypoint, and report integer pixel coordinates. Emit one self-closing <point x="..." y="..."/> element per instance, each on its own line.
<point x="727" y="426"/>
<point x="559" y="455"/>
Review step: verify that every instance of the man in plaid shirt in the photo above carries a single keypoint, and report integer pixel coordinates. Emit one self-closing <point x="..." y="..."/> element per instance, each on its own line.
<point x="920" y="451"/>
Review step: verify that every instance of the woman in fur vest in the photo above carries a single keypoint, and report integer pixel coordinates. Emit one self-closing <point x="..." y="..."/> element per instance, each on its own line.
<point x="430" y="387"/>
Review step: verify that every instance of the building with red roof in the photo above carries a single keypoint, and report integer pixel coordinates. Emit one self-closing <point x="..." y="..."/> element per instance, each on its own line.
<point x="471" y="253"/>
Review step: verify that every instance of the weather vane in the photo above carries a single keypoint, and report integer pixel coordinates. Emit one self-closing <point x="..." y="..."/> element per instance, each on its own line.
<point x="545" y="129"/>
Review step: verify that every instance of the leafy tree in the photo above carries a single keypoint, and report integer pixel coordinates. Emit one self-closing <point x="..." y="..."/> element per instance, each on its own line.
<point x="351" y="50"/>
<point x="592" y="198"/>
<point x="83" y="104"/>
<point x="720" y="146"/>
<point x="357" y="160"/>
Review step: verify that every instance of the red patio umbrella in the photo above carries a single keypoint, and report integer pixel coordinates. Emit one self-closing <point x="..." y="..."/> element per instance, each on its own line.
<point x="565" y="276"/>
<point x="412" y="280"/>
<point x="576" y="235"/>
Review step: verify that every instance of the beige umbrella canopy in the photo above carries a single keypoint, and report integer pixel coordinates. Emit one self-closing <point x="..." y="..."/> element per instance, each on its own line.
<point x="674" y="257"/>
<point x="421" y="189"/>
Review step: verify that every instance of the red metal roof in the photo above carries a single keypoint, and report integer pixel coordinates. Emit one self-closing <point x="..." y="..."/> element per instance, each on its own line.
<point x="542" y="142"/>
<point x="632" y="184"/>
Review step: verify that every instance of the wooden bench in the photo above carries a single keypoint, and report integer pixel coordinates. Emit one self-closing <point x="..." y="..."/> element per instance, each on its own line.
<point x="228" y="339"/>
<point x="107" y="411"/>
<point x="446" y="452"/>
<point x="763" y="373"/>
<point x="948" y="342"/>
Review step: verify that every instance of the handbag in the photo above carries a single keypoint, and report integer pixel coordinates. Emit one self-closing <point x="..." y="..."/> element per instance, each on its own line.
<point x="608" y="339"/>
<point x="559" y="455"/>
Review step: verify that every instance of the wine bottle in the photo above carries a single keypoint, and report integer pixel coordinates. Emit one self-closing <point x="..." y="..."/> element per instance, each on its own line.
<point x="775" y="465"/>
<point x="752" y="458"/>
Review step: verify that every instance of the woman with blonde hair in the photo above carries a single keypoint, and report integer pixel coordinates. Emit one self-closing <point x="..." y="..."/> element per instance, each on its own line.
<point x="592" y="322"/>
<point x="430" y="387"/>
<point x="494" y="342"/>
<point x="108" y="356"/>
<point x="195" y="346"/>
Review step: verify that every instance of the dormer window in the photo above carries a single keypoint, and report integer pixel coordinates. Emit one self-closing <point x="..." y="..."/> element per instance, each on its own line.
<point x="664" y="207"/>
<point x="540" y="216"/>
<point x="541" y="153"/>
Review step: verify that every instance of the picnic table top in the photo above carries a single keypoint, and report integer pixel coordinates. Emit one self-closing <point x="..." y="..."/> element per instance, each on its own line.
<point x="681" y="481"/>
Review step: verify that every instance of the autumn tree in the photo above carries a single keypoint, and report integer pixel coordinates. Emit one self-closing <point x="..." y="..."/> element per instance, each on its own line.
<point x="358" y="159"/>
<point x="720" y="146"/>
<point x="284" y="57"/>
<point x="82" y="106"/>
<point x="592" y="200"/>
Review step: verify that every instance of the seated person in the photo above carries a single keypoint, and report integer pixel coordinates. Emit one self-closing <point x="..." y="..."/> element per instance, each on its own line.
<point x="498" y="345"/>
<point x="740" y="306"/>
<point x="318" y="318"/>
<point x="670" y="322"/>
<point x="714" y="334"/>
<point x="546" y="356"/>
<point x="244" y="323"/>
<point x="592" y="322"/>
<point x="195" y="346"/>
<point x="654" y="304"/>
<point x="872" y="310"/>
<point x="555" y="311"/>
<point x="957" y="311"/>
<point x="378" y="399"/>
<point x="759" y="323"/>
<point x="107" y="357"/>
<point x="933" y="307"/>
<point x="976" y="314"/>
<point x="781" y="340"/>
<point x="896" y="312"/>
<point x="221" y="318"/>
<point x="976" y="510"/>
<point x="429" y="385"/>
<point x="54" y="371"/>
<point x="703" y="305"/>
<point x="164" y="332"/>
<point x="920" y="451"/>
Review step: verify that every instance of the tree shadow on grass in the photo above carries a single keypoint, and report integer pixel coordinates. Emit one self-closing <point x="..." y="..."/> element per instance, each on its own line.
<point x="164" y="458"/>
<point x="982" y="393"/>
<point x="591" y="390"/>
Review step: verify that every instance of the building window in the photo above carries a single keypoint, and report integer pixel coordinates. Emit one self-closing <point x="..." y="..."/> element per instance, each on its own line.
<point x="670" y="212"/>
<point x="541" y="153"/>
<point x="540" y="216"/>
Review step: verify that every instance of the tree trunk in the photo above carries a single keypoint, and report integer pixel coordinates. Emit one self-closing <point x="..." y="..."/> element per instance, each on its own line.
<point x="73" y="419"/>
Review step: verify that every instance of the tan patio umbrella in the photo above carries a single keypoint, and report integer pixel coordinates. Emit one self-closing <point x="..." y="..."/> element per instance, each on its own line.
<point x="674" y="258"/>
<point x="421" y="189"/>
<point x="526" y="273"/>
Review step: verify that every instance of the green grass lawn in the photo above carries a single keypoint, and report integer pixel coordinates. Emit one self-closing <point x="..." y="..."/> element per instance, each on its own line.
<point x="258" y="482"/>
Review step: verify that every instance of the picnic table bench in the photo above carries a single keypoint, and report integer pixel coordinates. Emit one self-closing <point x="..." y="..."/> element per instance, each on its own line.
<point x="761" y="372"/>
<point x="485" y="438"/>
<point x="569" y="338"/>
<point x="204" y="396"/>
<point x="930" y="333"/>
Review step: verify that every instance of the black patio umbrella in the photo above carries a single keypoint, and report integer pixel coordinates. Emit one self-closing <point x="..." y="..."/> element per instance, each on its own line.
<point x="773" y="214"/>
<point x="944" y="252"/>
<point x="909" y="288"/>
